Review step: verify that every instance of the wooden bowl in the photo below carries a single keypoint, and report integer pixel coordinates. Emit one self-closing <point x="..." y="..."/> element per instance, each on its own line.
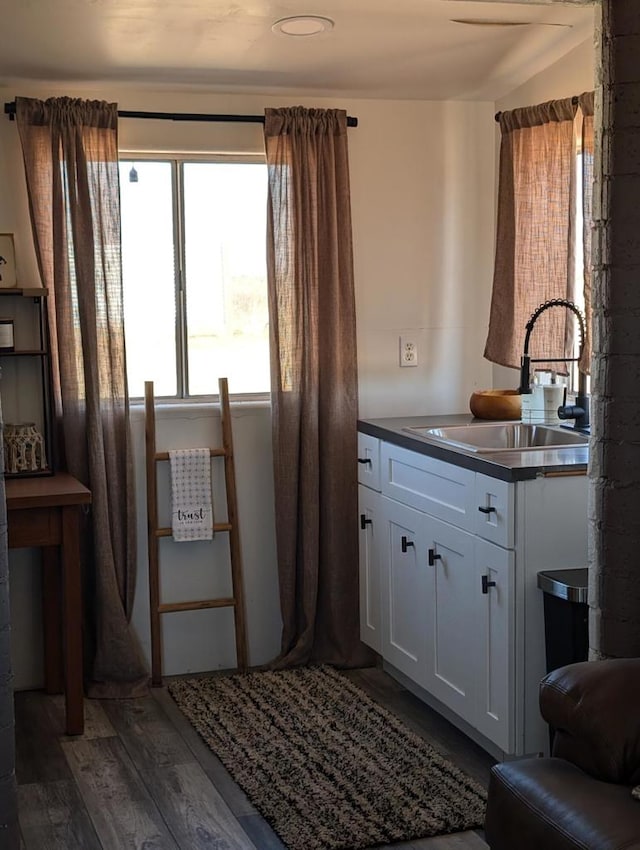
<point x="496" y="404"/>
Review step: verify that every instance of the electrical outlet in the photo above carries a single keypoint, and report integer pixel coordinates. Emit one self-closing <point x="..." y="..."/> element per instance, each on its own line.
<point x="408" y="351"/>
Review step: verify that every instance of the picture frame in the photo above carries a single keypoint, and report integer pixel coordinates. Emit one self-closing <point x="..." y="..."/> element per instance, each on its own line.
<point x="8" y="277"/>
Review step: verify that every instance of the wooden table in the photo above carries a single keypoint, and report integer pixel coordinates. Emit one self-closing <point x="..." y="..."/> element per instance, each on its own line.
<point x="43" y="512"/>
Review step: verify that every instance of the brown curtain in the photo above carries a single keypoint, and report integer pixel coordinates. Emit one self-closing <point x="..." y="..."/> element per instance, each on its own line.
<point x="534" y="259"/>
<point x="70" y="153"/>
<point x="313" y="385"/>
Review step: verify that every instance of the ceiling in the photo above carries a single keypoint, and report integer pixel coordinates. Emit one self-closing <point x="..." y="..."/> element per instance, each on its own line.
<point x="409" y="49"/>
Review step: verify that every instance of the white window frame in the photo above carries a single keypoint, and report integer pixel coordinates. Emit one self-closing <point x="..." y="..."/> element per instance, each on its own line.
<point x="177" y="160"/>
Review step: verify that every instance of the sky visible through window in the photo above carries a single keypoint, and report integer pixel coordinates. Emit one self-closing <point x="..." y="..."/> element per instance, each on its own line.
<point x="223" y="213"/>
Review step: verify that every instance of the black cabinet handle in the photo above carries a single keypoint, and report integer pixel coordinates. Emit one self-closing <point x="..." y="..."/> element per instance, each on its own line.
<point x="404" y="543"/>
<point x="486" y="584"/>
<point x="433" y="557"/>
<point x="364" y="460"/>
<point x="489" y="510"/>
<point x="364" y="522"/>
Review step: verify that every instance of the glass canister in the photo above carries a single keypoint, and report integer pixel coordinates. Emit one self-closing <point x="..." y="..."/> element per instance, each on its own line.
<point x="6" y="335"/>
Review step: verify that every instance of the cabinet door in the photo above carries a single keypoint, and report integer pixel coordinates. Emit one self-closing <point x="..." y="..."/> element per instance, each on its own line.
<point x="370" y="528"/>
<point x="404" y="576"/>
<point x="450" y="561"/>
<point x="494" y="646"/>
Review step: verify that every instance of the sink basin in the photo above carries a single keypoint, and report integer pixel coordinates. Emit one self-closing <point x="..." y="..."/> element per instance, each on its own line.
<point x="503" y="437"/>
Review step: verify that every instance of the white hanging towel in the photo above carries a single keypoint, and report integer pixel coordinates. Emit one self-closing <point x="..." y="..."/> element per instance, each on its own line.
<point x="191" y="501"/>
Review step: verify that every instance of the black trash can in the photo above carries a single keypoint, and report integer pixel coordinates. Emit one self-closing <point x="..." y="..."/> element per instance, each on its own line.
<point x="566" y="626"/>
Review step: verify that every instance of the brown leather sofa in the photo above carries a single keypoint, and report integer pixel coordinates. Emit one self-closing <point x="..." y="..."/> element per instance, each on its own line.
<point x="581" y="797"/>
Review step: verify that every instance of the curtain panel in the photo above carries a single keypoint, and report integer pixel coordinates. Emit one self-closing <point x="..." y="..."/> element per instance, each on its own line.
<point x="313" y="385"/>
<point x="70" y="153"/>
<point x="535" y="257"/>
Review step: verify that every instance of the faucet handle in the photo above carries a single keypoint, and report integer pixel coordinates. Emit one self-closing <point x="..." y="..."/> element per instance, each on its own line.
<point x="579" y="412"/>
<point x="563" y="412"/>
<point x="525" y="375"/>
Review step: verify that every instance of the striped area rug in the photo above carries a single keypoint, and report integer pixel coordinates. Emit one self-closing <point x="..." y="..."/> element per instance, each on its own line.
<point x="324" y="764"/>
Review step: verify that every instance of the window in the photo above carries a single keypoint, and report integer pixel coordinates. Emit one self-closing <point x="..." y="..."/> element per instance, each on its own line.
<point x="194" y="275"/>
<point x="543" y="242"/>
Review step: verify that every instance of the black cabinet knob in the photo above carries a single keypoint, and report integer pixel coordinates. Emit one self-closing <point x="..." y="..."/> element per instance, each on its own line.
<point x="486" y="584"/>
<point x="405" y="543"/>
<point x="364" y="522"/>
<point x="364" y="460"/>
<point x="489" y="510"/>
<point x="433" y="557"/>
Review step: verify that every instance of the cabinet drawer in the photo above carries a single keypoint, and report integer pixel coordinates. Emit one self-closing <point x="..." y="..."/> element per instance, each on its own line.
<point x="369" y="461"/>
<point x="441" y="489"/>
<point x="34" y="527"/>
<point x="494" y="511"/>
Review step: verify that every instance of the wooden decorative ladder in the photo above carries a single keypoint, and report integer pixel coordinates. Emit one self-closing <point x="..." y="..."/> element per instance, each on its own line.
<point x="155" y="533"/>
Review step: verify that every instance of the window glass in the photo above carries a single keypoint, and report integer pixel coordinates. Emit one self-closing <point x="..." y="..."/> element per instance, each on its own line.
<point x="225" y="276"/>
<point x="194" y="274"/>
<point x="148" y="271"/>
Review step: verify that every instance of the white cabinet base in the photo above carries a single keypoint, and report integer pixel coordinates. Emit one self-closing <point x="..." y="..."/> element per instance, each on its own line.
<point x="449" y="594"/>
<point x="455" y="720"/>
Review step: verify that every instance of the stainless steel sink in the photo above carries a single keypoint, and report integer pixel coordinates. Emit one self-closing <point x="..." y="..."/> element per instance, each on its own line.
<point x="503" y="437"/>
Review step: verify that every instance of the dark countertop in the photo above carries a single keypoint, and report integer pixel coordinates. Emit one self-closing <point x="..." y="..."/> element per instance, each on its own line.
<point x="517" y="465"/>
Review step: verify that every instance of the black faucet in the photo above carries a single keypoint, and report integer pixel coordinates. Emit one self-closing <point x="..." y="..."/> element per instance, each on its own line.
<point x="579" y="411"/>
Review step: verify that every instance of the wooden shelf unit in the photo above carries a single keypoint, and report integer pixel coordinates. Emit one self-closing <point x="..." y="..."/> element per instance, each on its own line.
<point x="38" y="348"/>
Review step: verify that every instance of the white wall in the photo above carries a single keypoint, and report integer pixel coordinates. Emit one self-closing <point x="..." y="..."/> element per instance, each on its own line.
<point x="204" y="640"/>
<point x="423" y="210"/>
<point x="423" y="186"/>
<point x="572" y="75"/>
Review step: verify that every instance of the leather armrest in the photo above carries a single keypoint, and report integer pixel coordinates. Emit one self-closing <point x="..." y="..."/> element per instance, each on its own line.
<point x="594" y="708"/>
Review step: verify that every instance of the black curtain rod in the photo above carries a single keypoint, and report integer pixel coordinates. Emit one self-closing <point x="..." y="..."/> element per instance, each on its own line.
<point x="574" y="100"/>
<point x="10" y="110"/>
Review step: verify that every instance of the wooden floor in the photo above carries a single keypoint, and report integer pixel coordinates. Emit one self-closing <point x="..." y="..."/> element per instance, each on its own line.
<point x="141" y="778"/>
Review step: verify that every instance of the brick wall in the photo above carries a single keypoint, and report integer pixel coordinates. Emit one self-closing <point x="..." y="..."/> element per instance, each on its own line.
<point x="615" y="453"/>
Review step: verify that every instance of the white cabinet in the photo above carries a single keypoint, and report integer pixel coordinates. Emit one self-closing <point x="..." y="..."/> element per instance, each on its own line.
<point x="448" y="565"/>
<point x="370" y="530"/>
<point x="494" y="504"/>
<point x="369" y="461"/>
<point x="432" y="486"/>
<point x="438" y="626"/>
<point x="494" y="650"/>
<point x="458" y="628"/>
<point x="451" y="616"/>
<point x="405" y="588"/>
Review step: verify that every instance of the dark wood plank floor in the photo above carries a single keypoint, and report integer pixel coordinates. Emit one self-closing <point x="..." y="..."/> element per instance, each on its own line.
<point x="140" y="778"/>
